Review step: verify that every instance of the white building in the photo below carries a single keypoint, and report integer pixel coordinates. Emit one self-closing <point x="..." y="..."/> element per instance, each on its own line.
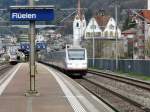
<point x="40" y="38"/>
<point x="103" y="29"/>
<point x="102" y="26"/>
<point x="79" y="26"/>
<point x="93" y="28"/>
<point x="146" y="15"/>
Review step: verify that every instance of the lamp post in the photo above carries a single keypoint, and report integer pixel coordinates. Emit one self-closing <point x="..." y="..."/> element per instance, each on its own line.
<point x="116" y="31"/>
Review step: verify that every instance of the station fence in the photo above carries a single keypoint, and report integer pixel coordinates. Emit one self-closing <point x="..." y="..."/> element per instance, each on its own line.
<point x="124" y="65"/>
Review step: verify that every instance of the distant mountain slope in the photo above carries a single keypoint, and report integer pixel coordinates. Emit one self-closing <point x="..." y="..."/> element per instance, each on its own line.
<point x="92" y="6"/>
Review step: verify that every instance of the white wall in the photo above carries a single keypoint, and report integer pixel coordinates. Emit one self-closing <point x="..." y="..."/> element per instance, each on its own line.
<point x="148" y="4"/>
<point x="147" y="31"/>
<point x="78" y="30"/>
<point x="111" y="27"/>
<point x="40" y="38"/>
<point x="90" y="28"/>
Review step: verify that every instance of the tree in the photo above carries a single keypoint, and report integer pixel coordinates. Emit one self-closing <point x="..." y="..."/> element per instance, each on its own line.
<point x="129" y="23"/>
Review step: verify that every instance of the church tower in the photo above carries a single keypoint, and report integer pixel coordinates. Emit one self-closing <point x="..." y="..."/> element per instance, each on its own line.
<point x="79" y="26"/>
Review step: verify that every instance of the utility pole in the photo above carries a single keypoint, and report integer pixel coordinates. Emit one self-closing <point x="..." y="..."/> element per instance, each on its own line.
<point x="32" y="90"/>
<point x="116" y="31"/>
<point x="93" y="26"/>
<point x="16" y="2"/>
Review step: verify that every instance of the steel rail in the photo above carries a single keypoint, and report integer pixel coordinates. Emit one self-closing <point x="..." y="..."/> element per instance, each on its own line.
<point x="134" y="103"/>
<point x="131" y="81"/>
<point x="4" y="68"/>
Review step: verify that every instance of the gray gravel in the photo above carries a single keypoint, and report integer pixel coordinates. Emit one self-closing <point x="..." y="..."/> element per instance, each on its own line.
<point x="137" y="94"/>
<point x="115" y="101"/>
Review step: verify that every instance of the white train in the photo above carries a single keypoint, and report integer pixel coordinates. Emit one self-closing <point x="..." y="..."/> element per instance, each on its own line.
<point x="13" y="58"/>
<point x="71" y="60"/>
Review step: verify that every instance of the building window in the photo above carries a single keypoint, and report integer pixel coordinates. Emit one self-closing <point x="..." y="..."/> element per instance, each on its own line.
<point x="93" y="27"/>
<point x="111" y="34"/>
<point x="112" y="27"/>
<point x="106" y="33"/>
<point x="116" y="34"/>
<point x="98" y="34"/>
<point x="92" y="34"/>
<point x="88" y="34"/>
<point x="77" y="25"/>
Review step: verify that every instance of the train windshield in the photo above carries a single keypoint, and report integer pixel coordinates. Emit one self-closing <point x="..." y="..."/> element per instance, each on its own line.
<point x="76" y="54"/>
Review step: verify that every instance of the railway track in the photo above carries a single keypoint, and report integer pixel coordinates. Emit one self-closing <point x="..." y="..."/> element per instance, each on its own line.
<point x="131" y="81"/>
<point x="4" y="68"/>
<point x="109" y="86"/>
<point x="115" y="100"/>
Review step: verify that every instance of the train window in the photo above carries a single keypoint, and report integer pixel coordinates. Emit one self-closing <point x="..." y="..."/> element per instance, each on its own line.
<point x="76" y="54"/>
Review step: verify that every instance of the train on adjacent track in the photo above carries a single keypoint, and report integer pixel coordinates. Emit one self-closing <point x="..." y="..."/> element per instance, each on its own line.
<point x="72" y="60"/>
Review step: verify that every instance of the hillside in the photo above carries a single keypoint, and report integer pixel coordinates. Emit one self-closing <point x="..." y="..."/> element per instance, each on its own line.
<point x="92" y="7"/>
<point x="90" y="4"/>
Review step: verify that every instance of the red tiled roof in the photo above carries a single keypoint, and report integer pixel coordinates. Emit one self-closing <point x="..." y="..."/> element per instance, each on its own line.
<point x="102" y="20"/>
<point x="146" y="14"/>
<point x="129" y="31"/>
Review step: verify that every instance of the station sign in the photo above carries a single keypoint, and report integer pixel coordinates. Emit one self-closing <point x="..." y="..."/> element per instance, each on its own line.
<point x="31" y="14"/>
<point x="39" y="46"/>
<point x="25" y="46"/>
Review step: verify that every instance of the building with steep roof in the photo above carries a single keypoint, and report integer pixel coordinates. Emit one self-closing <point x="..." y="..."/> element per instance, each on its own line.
<point x="102" y="26"/>
<point x="146" y="20"/>
<point x="146" y="40"/>
<point x="142" y="19"/>
<point x="102" y="20"/>
<point x="101" y="30"/>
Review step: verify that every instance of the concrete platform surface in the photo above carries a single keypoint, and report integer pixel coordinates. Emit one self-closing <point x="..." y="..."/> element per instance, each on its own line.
<point x="58" y="93"/>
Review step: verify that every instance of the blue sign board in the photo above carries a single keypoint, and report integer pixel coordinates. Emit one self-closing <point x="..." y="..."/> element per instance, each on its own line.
<point x="25" y="46"/>
<point x="31" y="14"/>
<point x="39" y="46"/>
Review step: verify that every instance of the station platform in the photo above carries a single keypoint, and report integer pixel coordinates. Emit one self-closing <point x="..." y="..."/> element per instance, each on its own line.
<point x="57" y="92"/>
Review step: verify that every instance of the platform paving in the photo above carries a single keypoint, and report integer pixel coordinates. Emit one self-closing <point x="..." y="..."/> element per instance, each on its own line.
<point x="51" y="98"/>
<point x="57" y="92"/>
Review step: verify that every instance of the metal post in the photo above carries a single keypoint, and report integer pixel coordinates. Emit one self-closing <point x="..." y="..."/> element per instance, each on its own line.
<point x="31" y="3"/>
<point x="32" y="55"/>
<point x="133" y="48"/>
<point x="116" y="31"/>
<point x="32" y="90"/>
<point x="93" y="43"/>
